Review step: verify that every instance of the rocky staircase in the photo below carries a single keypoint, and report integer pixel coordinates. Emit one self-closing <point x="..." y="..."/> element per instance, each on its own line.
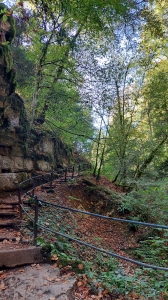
<point x="9" y="211"/>
<point x="15" y="249"/>
<point x="9" y="219"/>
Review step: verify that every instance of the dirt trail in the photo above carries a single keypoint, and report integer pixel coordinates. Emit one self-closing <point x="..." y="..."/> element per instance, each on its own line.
<point x="113" y="235"/>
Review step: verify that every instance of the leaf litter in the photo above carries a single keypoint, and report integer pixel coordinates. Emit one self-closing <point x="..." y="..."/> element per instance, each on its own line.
<point x="100" y="232"/>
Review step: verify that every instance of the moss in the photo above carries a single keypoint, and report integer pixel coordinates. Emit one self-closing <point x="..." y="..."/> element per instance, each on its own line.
<point x="17" y="104"/>
<point x="5" y="51"/>
<point x="12" y="80"/>
<point x="9" y="18"/>
<point x="6" y="54"/>
<point x="35" y="155"/>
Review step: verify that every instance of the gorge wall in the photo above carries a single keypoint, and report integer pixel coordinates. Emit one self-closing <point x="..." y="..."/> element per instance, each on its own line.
<point x="23" y="152"/>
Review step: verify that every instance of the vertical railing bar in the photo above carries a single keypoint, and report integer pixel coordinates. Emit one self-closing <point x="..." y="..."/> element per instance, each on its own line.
<point x="36" y="221"/>
<point x="72" y="172"/>
<point x="42" y="179"/>
<point x="20" y="202"/>
<point x="65" y="174"/>
<point x="33" y="187"/>
<point x="51" y="181"/>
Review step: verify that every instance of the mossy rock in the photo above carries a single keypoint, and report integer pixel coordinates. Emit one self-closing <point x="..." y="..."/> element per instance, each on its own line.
<point x="6" y="16"/>
<point x="17" y="104"/>
<point x="7" y="26"/>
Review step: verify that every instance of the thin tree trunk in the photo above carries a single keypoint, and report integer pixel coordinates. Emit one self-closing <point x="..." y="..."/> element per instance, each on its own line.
<point x="101" y="161"/>
<point x="149" y="159"/>
<point x="116" y="177"/>
<point x="61" y="68"/>
<point x="97" y="150"/>
<point x="39" y="78"/>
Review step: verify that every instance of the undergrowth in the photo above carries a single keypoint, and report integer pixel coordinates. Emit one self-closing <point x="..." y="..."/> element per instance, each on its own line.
<point x="149" y="203"/>
<point x="105" y="273"/>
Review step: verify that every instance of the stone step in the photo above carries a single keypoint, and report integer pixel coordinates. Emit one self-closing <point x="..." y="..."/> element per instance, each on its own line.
<point x="22" y="256"/>
<point x="6" y="206"/>
<point x="7" y="213"/>
<point x="46" y="187"/>
<point x="9" y="202"/>
<point x="8" y="223"/>
<point x="8" y="238"/>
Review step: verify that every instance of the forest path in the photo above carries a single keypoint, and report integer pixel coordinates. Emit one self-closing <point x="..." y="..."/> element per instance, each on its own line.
<point x="103" y="233"/>
<point x="107" y="234"/>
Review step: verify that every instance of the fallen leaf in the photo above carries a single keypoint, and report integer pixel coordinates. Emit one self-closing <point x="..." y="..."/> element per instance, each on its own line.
<point x="106" y="292"/>
<point x="54" y="257"/>
<point x="50" y="279"/>
<point x="80" y="266"/>
<point x="21" y="270"/>
<point x="40" y="295"/>
<point x="79" y="283"/>
<point x="2" y="286"/>
<point x="3" y="276"/>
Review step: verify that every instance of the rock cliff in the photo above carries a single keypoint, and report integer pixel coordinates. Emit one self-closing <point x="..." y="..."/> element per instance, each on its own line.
<point x="22" y="152"/>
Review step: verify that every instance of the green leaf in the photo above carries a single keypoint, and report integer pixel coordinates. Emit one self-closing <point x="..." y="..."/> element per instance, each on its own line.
<point x="4" y="18"/>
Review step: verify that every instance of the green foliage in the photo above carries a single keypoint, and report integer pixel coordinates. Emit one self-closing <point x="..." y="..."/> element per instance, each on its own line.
<point x="148" y="203"/>
<point x="5" y="50"/>
<point x="63" y="251"/>
<point x="32" y="200"/>
<point x="104" y="272"/>
<point x="24" y="73"/>
<point x="6" y="54"/>
<point x="6" y="16"/>
<point x="154" y="250"/>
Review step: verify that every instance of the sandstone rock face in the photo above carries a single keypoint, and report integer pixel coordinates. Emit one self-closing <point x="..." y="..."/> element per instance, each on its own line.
<point x="47" y="145"/>
<point x="22" y="152"/>
<point x="44" y="165"/>
<point x="10" y="181"/>
<point x="15" y="164"/>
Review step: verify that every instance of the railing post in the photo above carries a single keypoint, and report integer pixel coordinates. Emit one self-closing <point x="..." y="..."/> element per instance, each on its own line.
<point x="20" y="202"/>
<point x="36" y="220"/>
<point x="33" y="187"/>
<point x="65" y="174"/>
<point x="78" y="170"/>
<point x="51" y="180"/>
<point x="73" y="172"/>
<point x="42" y="179"/>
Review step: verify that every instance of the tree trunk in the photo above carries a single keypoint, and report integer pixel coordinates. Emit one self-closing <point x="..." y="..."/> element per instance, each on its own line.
<point x="149" y="159"/>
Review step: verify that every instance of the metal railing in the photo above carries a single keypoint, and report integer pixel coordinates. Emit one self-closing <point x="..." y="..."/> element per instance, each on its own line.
<point x="70" y="173"/>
